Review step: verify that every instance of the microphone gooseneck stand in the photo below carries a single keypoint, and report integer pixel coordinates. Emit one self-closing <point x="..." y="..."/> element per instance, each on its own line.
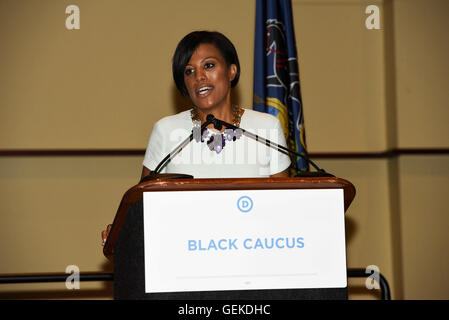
<point x="155" y="174"/>
<point x="218" y="125"/>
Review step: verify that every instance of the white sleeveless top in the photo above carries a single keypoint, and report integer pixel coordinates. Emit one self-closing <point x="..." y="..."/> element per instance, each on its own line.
<point x="243" y="158"/>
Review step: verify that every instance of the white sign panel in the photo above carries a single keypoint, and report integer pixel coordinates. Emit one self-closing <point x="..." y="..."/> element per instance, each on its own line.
<point x="245" y="239"/>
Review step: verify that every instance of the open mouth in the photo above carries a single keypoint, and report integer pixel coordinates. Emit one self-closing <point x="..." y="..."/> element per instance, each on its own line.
<point x="204" y="91"/>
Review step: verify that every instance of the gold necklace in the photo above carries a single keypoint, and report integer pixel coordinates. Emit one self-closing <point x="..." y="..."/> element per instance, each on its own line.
<point x="237" y="113"/>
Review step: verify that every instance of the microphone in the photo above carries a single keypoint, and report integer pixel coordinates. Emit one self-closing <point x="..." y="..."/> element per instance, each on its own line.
<point x="218" y="124"/>
<point x="155" y="174"/>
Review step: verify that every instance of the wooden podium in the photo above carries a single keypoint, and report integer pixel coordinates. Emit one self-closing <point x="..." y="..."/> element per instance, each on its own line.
<point x="125" y="244"/>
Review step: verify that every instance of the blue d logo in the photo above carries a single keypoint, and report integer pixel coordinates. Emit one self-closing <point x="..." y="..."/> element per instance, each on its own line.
<point x="245" y="204"/>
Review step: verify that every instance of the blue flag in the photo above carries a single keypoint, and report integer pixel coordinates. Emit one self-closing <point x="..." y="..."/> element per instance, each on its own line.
<point x="276" y="75"/>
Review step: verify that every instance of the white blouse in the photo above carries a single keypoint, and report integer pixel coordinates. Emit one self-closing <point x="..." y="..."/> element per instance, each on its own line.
<point x="242" y="158"/>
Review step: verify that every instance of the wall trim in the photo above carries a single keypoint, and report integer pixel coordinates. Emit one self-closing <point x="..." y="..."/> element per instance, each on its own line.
<point x="140" y="152"/>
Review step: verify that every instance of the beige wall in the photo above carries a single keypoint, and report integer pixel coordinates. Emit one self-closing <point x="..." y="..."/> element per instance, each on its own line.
<point x="79" y="88"/>
<point x="424" y="226"/>
<point x="105" y="85"/>
<point x="422" y="73"/>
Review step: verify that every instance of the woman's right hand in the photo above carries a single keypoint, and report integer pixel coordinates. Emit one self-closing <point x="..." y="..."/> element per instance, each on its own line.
<point x="105" y="234"/>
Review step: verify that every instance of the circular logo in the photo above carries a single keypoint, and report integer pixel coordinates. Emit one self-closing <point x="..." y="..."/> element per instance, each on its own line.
<point x="245" y="204"/>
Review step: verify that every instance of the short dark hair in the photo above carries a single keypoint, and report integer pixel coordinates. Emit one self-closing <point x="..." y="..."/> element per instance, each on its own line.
<point x="187" y="46"/>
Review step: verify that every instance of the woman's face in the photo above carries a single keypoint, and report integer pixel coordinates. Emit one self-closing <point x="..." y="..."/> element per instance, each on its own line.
<point x="208" y="78"/>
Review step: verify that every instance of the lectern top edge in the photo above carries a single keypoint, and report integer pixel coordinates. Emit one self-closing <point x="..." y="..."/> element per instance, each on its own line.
<point x="136" y="193"/>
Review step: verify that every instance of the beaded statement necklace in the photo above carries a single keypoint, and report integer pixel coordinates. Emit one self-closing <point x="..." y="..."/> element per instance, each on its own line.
<point x="217" y="141"/>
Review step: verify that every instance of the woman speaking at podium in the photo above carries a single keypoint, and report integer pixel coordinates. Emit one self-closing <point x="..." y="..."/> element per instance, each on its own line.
<point x="206" y="68"/>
